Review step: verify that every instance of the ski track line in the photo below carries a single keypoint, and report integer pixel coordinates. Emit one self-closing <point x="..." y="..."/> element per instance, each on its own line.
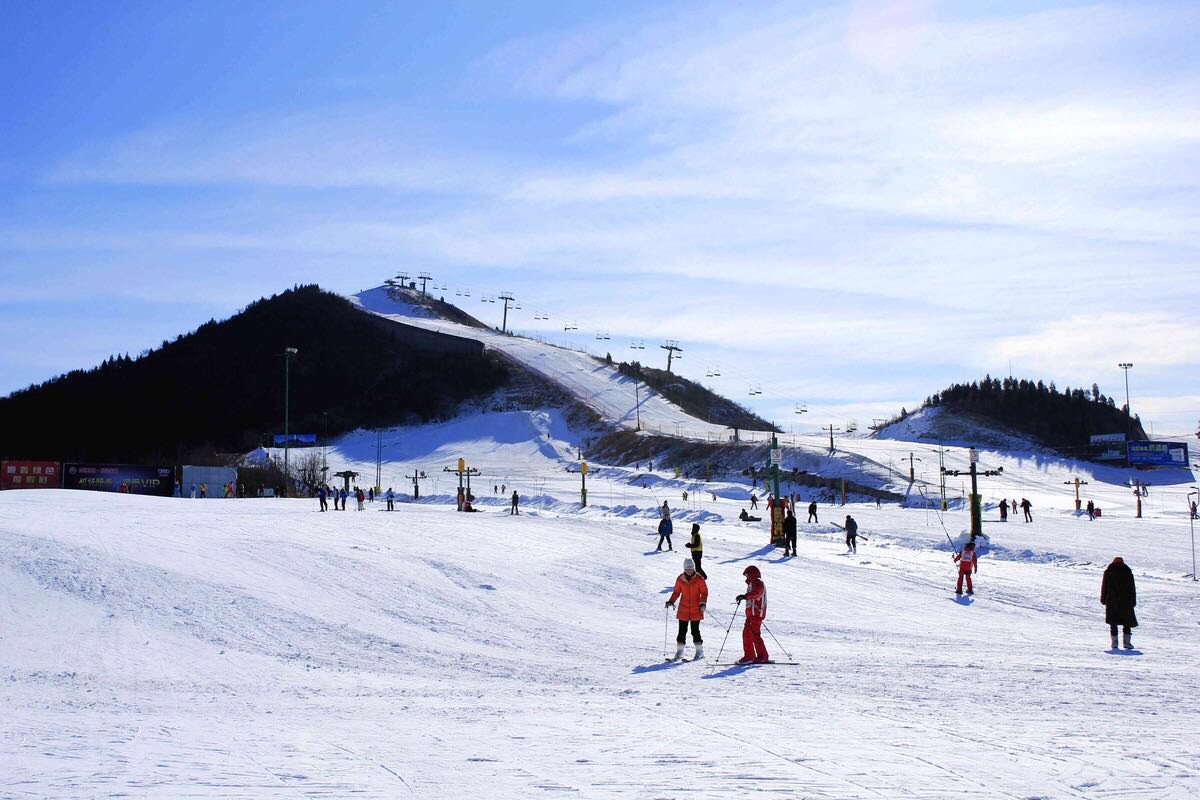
<point x="366" y="760"/>
<point x="763" y="748"/>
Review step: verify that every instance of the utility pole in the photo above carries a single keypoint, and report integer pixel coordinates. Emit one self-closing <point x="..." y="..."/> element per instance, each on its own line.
<point x="1077" y="483"/>
<point x="637" y="396"/>
<point x="423" y="277"/>
<point x="673" y="351"/>
<point x="912" y="472"/>
<point x="378" y="459"/>
<point x="942" y="473"/>
<point x="831" y="432"/>
<point x="507" y="298"/>
<point x="976" y="500"/>
<point x="776" y="460"/>
<point x="417" y="475"/>
<point x="583" y="485"/>
<point x="288" y="353"/>
<point x="461" y="472"/>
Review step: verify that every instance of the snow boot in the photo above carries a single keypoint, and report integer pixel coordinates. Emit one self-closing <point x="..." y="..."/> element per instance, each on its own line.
<point x="958" y="591"/>
<point x="699" y="652"/>
<point x="1114" y="641"/>
<point x="970" y="591"/>
<point x="1128" y="641"/>
<point x="678" y="652"/>
<point x="746" y="660"/>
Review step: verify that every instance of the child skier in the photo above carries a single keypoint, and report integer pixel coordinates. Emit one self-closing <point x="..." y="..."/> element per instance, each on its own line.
<point x="692" y="593"/>
<point x="754" y="650"/>
<point x="968" y="563"/>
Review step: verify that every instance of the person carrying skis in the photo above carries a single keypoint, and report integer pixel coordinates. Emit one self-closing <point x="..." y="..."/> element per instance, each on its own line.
<point x="692" y="593"/>
<point x="789" y="534"/>
<point x="390" y="496"/>
<point x="1118" y="594"/>
<point x="664" y="532"/>
<point x="968" y="563"/>
<point x="753" y="649"/>
<point x="516" y="505"/>
<point x="812" y="512"/>
<point x="1003" y="510"/>
<point x="697" y="547"/>
<point x="851" y="535"/>
<point x="1025" y="506"/>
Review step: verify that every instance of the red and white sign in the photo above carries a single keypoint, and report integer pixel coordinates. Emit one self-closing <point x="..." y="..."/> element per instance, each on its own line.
<point x="30" y="475"/>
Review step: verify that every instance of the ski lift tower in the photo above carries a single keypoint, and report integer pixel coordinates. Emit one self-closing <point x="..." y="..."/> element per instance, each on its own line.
<point x="976" y="500"/>
<point x="507" y="298"/>
<point x="672" y="347"/>
<point x="423" y="278"/>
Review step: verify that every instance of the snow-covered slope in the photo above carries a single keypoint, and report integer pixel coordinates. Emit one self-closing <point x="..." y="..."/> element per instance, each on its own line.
<point x="258" y="648"/>
<point x="597" y="385"/>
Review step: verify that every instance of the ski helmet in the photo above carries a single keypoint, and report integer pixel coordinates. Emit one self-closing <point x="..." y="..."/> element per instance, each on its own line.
<point x="752" y="572"/>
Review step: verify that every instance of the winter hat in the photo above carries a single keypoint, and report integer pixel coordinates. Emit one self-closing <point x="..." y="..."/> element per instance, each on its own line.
<point x="1118" y="560"/>
<point x="688" y="564"/>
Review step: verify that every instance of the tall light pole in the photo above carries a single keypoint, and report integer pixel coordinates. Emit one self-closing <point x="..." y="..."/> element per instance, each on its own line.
<point x="288" y="354"/>
<point x="1127" y="365"/>
<point x="1192" y="523"/>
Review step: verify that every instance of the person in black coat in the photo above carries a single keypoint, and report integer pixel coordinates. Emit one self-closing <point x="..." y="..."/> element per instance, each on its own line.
<point x="1119" y="596"/>
<point x="789" y="534"/>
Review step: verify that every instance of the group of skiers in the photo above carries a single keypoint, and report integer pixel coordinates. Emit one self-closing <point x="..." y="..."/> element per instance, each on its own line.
<point x="1024" y="505"/>
<point x="689" y="598"/>
<point x="327" y="493"/>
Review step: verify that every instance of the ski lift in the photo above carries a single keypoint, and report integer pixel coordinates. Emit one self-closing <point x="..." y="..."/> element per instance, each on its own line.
<point x="801" y="409"/>
<point x="570" y="326"/>
<point x="755" y="390"/>
<point x="638" y="344"/>
<point x="466" y="292"/>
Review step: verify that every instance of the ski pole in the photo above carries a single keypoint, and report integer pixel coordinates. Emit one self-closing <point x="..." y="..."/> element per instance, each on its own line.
<point x="781" y="647"/>
<point x="666" y="628"/>
<point x="728" y="629"/>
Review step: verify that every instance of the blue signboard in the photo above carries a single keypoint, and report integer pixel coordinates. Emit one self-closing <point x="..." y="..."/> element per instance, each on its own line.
<point x="124" y="478"/>
<point x="1158" y="454"/>
<point x="296" y="438"/>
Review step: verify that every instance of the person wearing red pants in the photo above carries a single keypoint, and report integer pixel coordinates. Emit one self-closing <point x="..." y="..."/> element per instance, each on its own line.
<point x="968" y="562"/>
<point x="755" y="651"/>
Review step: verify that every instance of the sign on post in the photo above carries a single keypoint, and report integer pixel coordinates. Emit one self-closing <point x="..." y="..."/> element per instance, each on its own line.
<point x="776" y="457"/>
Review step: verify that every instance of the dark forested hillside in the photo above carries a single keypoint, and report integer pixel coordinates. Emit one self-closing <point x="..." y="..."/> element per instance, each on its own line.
<point x="695" y="399"/>
<point x="1063" y="420"/>
<point x="222" y="386"/>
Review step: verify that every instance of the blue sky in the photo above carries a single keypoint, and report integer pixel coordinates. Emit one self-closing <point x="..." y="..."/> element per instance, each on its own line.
<point x="849" y="205"/>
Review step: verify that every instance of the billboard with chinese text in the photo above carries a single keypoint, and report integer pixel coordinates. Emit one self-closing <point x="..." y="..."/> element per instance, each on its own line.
<point x="128" y="478"/>
<point x="1158" y="454"/>
<point x="30" y="475"/>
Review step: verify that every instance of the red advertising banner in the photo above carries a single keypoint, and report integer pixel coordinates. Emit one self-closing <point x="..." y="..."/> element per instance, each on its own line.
<point x="30" y="475"/>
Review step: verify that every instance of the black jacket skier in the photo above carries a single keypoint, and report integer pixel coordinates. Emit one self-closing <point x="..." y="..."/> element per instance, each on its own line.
<point x="1118" y="593"/>
<point x="812" y="512"/>
<point x="789" y="534"/>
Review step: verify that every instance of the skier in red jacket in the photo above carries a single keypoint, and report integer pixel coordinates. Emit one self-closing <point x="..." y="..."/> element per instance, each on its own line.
<point x="968" y="562"/>
<point x="755" y="651"/>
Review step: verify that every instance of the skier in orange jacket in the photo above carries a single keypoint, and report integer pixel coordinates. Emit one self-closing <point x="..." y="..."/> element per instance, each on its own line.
<point x="692" y="593"/>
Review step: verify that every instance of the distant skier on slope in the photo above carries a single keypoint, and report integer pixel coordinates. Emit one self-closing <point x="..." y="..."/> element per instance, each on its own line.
<point x="666" y="510"/>
<point x="1118" y="594"/>
<point x="1091" y="510"/>
<point x="516" y="504"/>
<point x="1003" y="510"/>
<point x="692" y="593"/>
<point x="968" y="563"/>
<point x="812" y="512"/>
<point x="390" y="496"/>
<point x="664" y="532"/>
<point x="744" y="517"/>
<point x="754" y="650"/>
<point x="321" y="495"/>
<point x="789" y="534"/>
<point x="1025" y="506"/>
<point x="360" y="497"/>
<point x="753" y="501"/>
